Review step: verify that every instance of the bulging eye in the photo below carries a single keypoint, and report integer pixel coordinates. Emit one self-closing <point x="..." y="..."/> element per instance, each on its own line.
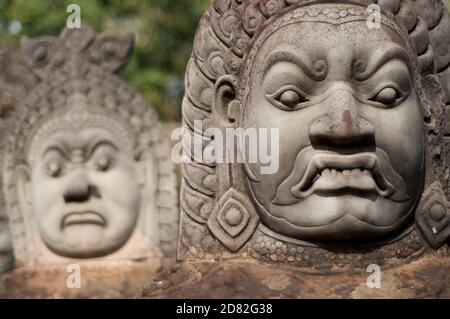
<point x="103" y="163"/>
<point x="388" y="96"/>
<point x="288" y="98"/>
<point x="53" y="169"/>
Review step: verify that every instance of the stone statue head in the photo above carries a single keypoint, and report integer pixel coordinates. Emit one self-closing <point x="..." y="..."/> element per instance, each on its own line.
<point x="87" y="173"/>
<point x="360" y="113"/>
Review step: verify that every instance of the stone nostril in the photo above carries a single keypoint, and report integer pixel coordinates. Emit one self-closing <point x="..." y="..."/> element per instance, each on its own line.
<point x="94" y="192"/>
<point x="348" y="132"/>
<point x="79" y="191"/>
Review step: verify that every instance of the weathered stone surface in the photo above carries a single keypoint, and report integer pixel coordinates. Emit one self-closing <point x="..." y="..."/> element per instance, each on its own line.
<point x="86" y="169"/>
<point x="427" y="278"/>
<point x="14" y="80"/>
<point x="98" y="280"/>
<point x="363" y="172"/>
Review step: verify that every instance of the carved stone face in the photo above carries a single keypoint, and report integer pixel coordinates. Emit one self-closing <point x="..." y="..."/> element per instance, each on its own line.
<point x="351" y="131"/>
<point x="84" y="191"/>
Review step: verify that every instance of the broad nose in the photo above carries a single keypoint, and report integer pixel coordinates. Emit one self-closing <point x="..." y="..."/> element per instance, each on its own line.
<point x="342" y="125"/>
<point x="80" y="189"/>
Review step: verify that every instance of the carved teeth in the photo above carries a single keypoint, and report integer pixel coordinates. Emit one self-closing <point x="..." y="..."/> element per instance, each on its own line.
<point x="366" y="172"/>
<point x="327" y="172"/>
<point x="346" y="173"/>
<point x="343" y="166"/>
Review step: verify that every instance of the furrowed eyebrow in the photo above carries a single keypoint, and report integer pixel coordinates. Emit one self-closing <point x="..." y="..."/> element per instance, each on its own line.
<point x="59" y="147"/>
<point x="92" y="147"/>
<point x="379" y="58"/>
<point x="317" y="70"/>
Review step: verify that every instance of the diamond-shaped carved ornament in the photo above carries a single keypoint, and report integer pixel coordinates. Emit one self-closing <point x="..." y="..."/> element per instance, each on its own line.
<point x="433" y="219"/>
<point x="233" y="220"/>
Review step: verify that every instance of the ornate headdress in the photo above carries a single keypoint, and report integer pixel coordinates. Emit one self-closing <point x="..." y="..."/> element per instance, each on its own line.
<point x="77" y="86"/>
<point x="227" y="39"/>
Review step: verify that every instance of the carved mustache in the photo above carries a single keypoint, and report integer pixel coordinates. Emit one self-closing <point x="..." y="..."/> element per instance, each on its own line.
<point x="368" y="171"/>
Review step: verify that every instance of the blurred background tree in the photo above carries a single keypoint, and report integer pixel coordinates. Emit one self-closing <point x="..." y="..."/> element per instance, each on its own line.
<point x="163" y="29"/>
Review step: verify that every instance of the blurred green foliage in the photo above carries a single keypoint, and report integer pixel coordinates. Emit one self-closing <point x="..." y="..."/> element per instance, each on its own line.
<point x="163" y="29"/>
<point x="164" y="32"/>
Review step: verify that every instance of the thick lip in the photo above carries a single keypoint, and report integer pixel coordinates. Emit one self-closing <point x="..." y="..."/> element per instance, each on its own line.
<point x="374" y="174"/>
<point x="355" y="166"/>
<point x="83" y="217"/>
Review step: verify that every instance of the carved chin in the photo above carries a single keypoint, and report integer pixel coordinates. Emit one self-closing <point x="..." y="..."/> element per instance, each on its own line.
<point x="339" y="218"/>
<point x="83" y="241"/>
<point x="347" y="228"/>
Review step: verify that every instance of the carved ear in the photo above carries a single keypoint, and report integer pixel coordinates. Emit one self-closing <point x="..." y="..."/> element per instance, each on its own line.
<point x="23" y="176"/>
<point x="226" y="106"/>
<point x="146" y="170"/>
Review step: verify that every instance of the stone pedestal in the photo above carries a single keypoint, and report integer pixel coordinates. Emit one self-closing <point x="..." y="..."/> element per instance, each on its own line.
<point x="425" y="278"/>
<point x="98" y="280"/>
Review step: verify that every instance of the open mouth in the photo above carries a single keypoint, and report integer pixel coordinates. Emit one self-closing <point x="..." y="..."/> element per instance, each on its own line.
<point x="334" y="174"/>
<point x="79" y="218"/>
<point x="330" y="172"/>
